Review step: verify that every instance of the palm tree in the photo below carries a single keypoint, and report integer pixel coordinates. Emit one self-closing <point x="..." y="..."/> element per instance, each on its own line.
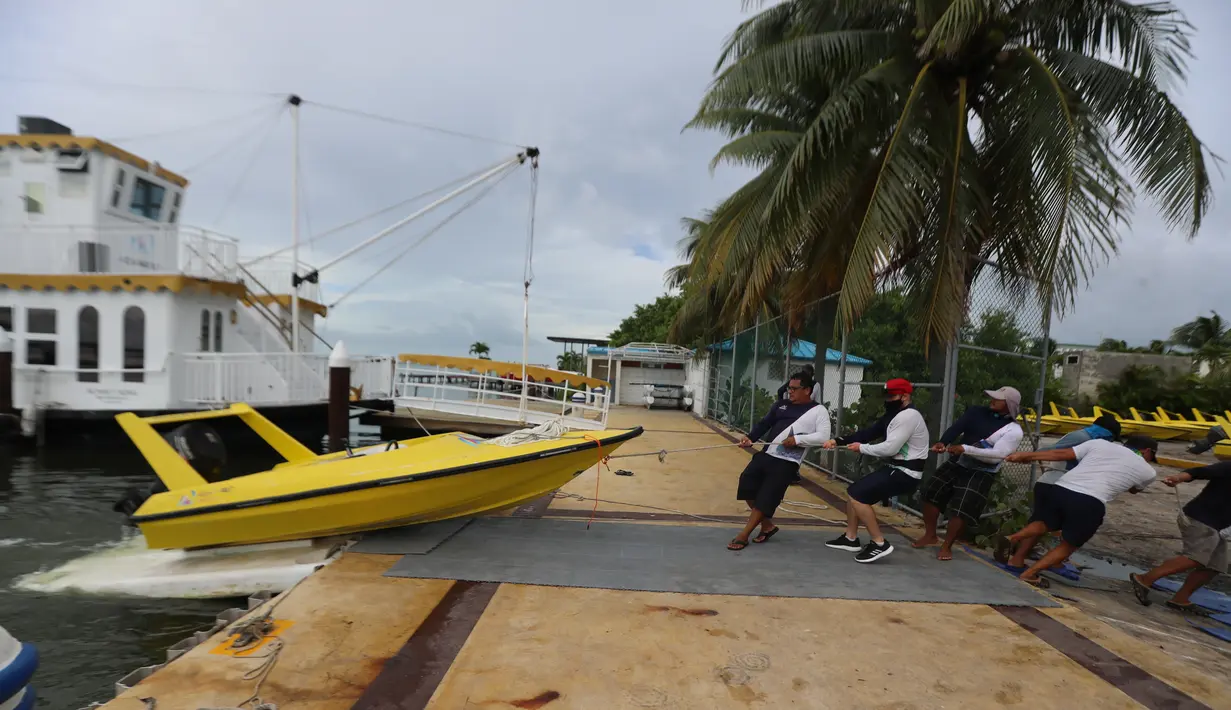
<point x="911" y="140"/>
<point x="1209" y="339"/>
<point x="480" y="350"/>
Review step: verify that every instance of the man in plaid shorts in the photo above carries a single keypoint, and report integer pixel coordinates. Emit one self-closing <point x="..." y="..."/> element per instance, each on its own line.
<point x="979" y="441"/>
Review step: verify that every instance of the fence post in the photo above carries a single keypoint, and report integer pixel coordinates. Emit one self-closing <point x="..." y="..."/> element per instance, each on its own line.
<point x="752" y="378"/>
<point x="1038" y="399"/>
<point x="837" y="425"/>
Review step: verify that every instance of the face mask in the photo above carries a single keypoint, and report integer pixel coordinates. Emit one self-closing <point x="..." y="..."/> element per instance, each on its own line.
<point x="893" y="406"/>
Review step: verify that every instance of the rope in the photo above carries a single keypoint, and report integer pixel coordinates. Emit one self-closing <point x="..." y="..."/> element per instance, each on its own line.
<point x="598" y="471"/>
<point x="561" y="495"/>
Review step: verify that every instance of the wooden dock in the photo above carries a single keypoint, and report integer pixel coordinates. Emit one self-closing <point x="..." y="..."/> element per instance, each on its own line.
<point x="353" y="638"/>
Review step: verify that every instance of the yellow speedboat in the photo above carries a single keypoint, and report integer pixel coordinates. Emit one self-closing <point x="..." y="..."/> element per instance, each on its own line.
<point x="1190" y="431"/>
<point x="387" y="485"/>
<point x="1222" y="449"/>
<point x="1132" y="426"/>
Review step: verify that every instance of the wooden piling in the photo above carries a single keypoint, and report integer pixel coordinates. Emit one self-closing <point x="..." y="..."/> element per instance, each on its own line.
<point x="339" y="397"/>
<point x="6" y="372"/>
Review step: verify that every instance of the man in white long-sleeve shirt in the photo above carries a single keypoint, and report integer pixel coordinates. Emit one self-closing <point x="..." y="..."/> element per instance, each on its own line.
<point x="790" y="426"/>
<point x="905" y="447"/>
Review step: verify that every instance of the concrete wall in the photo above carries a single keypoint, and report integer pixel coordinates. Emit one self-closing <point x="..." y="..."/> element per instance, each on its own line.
<point x="1083" y="371"/>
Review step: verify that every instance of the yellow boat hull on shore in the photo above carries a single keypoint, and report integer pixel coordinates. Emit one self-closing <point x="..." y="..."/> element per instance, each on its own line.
<point x="420" y="481"/>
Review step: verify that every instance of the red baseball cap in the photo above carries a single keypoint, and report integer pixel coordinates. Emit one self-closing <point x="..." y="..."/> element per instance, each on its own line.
<point x="899" y="386"/>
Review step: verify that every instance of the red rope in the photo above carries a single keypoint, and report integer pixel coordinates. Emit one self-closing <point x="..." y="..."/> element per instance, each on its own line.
<point x="598" y="469"/>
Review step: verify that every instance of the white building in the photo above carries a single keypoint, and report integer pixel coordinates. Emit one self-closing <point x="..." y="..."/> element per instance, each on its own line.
<point x="114" y="306"/>
<point x="771" y="370"/>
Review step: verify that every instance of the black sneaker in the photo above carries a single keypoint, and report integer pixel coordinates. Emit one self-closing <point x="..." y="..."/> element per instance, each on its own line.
<point x="842" y="542"/>
<point x="872" y="552"/>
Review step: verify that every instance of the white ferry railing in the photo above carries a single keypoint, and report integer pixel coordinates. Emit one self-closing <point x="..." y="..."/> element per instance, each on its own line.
<point x="440" y="389"/>
<point x="122" y="250"/>
<point x="271" y="378"/>
<point x="274" y="275"/>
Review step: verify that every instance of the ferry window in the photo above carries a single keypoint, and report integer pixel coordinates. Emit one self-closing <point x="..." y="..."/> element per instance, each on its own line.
<point x="118" y="190"/>
<point x="41" y="352"/>
<point x="6" y="318"/>
<point x="41" y="320"/>
<point x="204" y="344"/>
<point x="147" y="199"/>
<point x="87" y="344"/>
<point x="36" y="196"/>
<point x="217" y="331"/>
<point x="134" y="344"/>
<point x="175" y="208"/>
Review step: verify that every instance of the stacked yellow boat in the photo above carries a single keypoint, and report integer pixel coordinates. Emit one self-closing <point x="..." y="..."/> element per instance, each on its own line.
<point x="1160" y="424"/>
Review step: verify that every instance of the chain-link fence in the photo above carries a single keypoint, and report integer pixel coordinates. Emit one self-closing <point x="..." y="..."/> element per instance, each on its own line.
<point x="1003" y="343"/>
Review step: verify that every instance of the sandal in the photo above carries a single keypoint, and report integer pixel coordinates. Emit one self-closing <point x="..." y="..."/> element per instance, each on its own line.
<point x="1188" y="608"/>
<point x="1140" y="590"/>
<point x="765" y="536"/>
<point x="1036" y="581"/>
<point x="737" y="544"/>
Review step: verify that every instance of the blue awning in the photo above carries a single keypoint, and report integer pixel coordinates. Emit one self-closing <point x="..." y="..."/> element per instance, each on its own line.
<point x="805" y="350"/>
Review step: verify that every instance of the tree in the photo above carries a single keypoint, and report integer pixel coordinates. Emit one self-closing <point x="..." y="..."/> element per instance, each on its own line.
<point x="1111" y="345"/>
<point x="571" y="362"/>
<point x="911" y="140"/>
<point x="1209" y="339"/>
<point x="649" y="323"/>
<point x="480" y="350"/>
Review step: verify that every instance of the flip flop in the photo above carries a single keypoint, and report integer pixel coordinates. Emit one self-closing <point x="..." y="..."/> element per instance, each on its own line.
<point x="1189" y="608"/>
<point x="736" y="545"/>
<point x="1039" y="582"/>
<point x="1141" y="591"/>
<point x="765" y="536"/>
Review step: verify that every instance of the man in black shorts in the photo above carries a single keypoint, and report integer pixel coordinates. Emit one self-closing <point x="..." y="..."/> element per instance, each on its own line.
<point x="1079" y="501"/>
<point x="905" y="447"/>
<point x="790" y="426"/>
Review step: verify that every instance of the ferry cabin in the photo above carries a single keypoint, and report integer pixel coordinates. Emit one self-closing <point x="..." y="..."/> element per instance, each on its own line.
<point x="113" y="305"/>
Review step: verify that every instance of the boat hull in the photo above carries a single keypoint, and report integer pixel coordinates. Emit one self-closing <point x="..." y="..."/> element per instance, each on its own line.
<point x="18" y="661"/>
<point x="380" y="502"/>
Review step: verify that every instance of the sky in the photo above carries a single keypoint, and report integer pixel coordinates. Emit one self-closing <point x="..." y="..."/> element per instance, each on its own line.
<point x="602" y="88"/>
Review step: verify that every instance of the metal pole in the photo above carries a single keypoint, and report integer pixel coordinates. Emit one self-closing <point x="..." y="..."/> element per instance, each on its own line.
<point x="1038" y="399"/>
<point x="752" y="380"/>
<point x="419" y="213"/>
<point x="294" y="101"/>
<point x="837" y="427"/>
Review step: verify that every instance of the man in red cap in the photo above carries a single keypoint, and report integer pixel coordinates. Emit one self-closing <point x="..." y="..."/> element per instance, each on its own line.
<point x="905" y="447"/>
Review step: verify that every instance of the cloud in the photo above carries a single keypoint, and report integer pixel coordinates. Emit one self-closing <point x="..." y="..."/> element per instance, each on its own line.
<point x="603" y="89"/>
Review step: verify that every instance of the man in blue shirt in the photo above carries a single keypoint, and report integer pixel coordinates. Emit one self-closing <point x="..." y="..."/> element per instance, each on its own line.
<point x="790" y="427"/>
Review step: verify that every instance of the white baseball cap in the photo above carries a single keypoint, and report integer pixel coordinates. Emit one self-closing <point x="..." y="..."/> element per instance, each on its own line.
<point x="1010" y="395"/>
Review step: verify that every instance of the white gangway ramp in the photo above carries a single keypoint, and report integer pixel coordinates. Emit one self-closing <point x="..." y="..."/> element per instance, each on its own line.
<point x="488" y="389"/>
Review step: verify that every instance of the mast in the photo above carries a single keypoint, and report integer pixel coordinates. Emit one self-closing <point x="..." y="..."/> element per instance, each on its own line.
<point x="527" y="277"/>
<point x="294" y="101"/>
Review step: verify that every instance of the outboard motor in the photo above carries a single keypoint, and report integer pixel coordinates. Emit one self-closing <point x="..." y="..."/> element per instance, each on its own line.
<point x="1215" y="435"/>
<point x="196" y="443"/>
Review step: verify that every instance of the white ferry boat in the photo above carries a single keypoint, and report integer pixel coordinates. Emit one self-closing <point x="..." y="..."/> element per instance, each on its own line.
<point x="112" y="305"/>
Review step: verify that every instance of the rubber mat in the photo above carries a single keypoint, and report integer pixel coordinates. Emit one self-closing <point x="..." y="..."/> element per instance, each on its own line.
<point x="1208" y="598"/>
<point x="410" y="539"/>
<point x="694" y="560"/>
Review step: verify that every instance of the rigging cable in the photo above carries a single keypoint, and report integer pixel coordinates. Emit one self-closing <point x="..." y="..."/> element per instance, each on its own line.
<point x="383" y="210"/>
<point x="425" y="237"/>
<point x="226" y="205"/>
<point x="230" y="145"/>
<point x="133" y="87"/>
<point x="415" y="124"/>
<point x="262" y="108"/>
